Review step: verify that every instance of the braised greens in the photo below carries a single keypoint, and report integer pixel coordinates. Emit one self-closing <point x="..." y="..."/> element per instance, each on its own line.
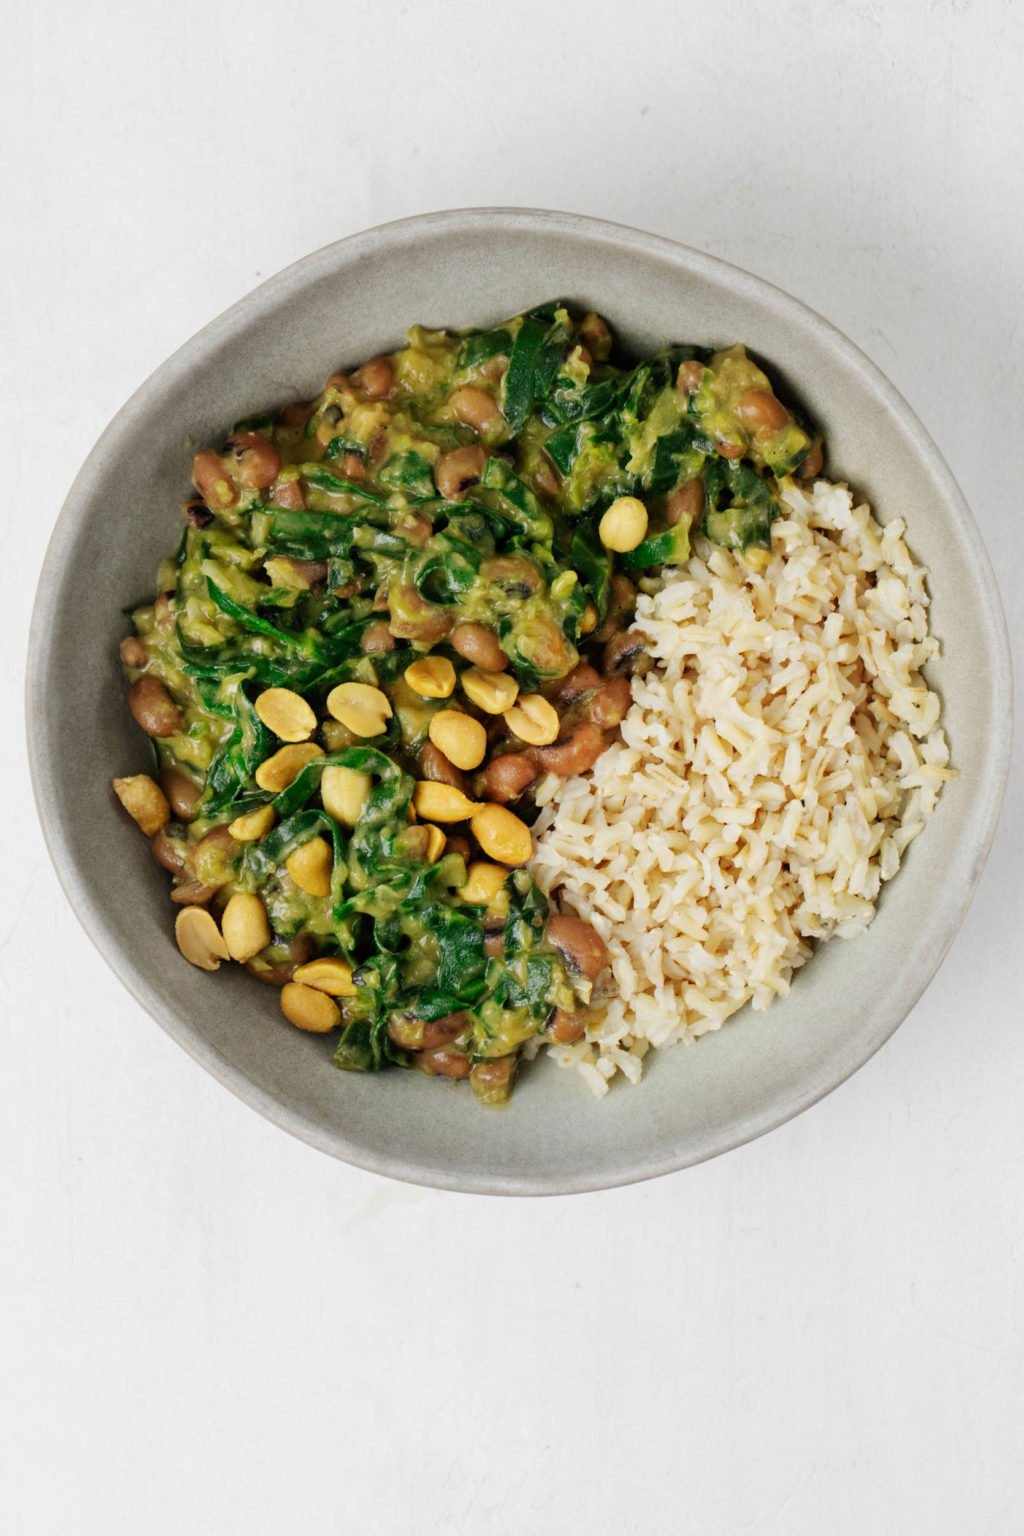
<point x="445" y="499"/>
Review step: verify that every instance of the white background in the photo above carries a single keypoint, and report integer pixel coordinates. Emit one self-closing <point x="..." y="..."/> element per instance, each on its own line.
<point x="209" y="1328"/>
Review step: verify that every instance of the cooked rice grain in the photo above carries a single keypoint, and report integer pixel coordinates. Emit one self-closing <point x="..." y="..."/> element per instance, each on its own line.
<point x="773" y="768"/>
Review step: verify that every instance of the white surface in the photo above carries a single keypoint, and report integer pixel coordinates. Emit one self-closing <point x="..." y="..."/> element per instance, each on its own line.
<point x="206" y="1326"/>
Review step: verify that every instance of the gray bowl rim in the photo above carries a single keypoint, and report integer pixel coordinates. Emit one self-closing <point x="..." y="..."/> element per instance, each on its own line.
<point x="238" y="317"/>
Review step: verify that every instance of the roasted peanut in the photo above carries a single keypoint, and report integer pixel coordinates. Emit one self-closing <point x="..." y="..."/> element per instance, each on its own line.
<point x="275" y="773"/>
<point x="244" y="926"/>
<point x="344" y="792"/>
<point x="144" y="801"/>
<point x="483" y="882"/>
<point x="501" y="835"/>
<point x="462" y="739"/>
<point x="441" y="802"/>
<point x="253" y="825"/>
<point x="533" y="720"/>
<point x="493" y="692"/>
<point x="311" y="865"/>
<point x="432" y="677"/>
<point x="286" y="713"/>
<point x="309" y="1008"/>
<point x="199" y="939"/>
<point x="363" y="709"/>
<point x="327" y="975"/>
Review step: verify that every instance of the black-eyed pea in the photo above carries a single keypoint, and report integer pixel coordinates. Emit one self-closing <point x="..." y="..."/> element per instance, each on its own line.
<point x="276" y="773"/>
<point x="508" y="774"/>
<point x="457" y="470"/>
<point x="365" y="710"/>
<point x="199" y="938"/>
<point x="252" y="460"/>
<point x="144" y="801"/>
<point x="170" y="852"/>
<point x="564" y="1027"/>
<point x="581" y="946"/>
<point x="686" y="503"/>
<point x="446" y="1063"/>
<point x="460" y="737"/>
<point x="432" y="677"/>
<point x="477" y="409"/>
<point x="311" y="866"/>
<point x="286" y="714"/>
<point x="344" y="792"/>
<point x="533" y="720"/>
<point x="328" y="975"/>
<point x="501" y="835"/>
<point x="153" y="708"/>
<point x="377" y="637"/>
<point x="577" y="753"/>
<point x="309" y="1008"/>
<point x="212" y="481"/>
<point x="492" y="1080"/>
<point x="761" y="412"/>
<point x="183" y="792"/>
<point x="134" y="652"/>
<point x="295" y="575"/>
<point x="244" y="926"/>
<point x="594" y="331"/>
<point x="253" y="825"/>
<point x="375" y="378"/>
<point x="443" y="803"/>
<point x="479" y="645"/>
<point x="493" y="692"/>
<point x="610" y="704"/>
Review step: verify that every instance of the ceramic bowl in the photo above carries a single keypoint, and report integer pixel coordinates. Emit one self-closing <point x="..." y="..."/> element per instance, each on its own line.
<point x="333" y="308"/>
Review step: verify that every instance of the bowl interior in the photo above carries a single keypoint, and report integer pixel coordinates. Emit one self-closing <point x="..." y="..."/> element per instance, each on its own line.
<point x="123" y="514"/>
